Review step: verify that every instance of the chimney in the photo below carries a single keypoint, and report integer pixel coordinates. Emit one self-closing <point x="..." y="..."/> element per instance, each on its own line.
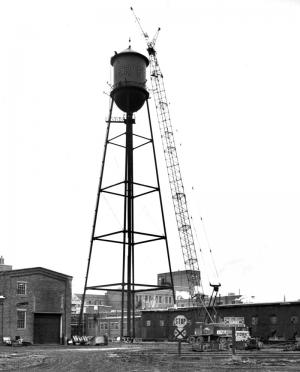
<point x="4" y="267"/>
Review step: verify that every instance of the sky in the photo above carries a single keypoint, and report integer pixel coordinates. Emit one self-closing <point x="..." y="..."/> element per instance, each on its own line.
<point x="232" y="77"/>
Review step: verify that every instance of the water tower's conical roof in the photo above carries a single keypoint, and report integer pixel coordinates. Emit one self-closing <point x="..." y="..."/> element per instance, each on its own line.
<point x="130" y="52"/>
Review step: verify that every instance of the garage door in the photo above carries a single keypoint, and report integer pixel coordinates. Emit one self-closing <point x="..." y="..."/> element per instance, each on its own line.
<point x="47" y="328"/>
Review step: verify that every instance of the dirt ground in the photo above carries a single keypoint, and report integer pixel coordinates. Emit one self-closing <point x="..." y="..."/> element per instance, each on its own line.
<point x="154" y="357"/>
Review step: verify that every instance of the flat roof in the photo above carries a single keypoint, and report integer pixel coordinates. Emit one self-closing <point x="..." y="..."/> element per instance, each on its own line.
<point x="34" y="270"/>
<point x="256" y="304"/>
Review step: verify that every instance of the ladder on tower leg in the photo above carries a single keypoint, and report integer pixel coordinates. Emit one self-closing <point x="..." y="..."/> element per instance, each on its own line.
<point x="174" y="175"/>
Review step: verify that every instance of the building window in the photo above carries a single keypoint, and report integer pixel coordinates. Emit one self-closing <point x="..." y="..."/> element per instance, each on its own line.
<point x="254" y="320"/>
<point x="21" y="319"/>
<point x="159" y="299"/>
<point x="148" y="323"/>
<point x="103" y="326"/>
<point x="162" y="323"/>
<point x="114" y="325"/>
<point x="90" y="323"/>
<point x="21" y="288"/>
<point x="273" y="319"/>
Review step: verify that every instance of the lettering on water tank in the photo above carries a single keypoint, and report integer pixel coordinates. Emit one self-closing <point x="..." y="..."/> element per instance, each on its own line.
<point x="130" y="71"/>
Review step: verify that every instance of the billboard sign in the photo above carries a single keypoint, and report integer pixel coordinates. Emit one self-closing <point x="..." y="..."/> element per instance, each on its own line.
<point x="234" y="321"/>
<point x="239" y="335"/>
<point x="242" y="335"/>
<point x="224" y="332"/>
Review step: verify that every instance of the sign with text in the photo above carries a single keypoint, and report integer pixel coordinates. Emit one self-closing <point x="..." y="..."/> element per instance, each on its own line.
<point x="224" y="332"/>
<point x="242" y="335"/>
<point x="180" y="321"/>
<point x="234" y="321"/>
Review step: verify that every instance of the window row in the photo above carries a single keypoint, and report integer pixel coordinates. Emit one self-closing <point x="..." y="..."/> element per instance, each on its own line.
<point x="161" y="323"/>
<point x="95" y="302"/>
<point x="273" y="319"/>
<point x="157" y="299"/>
<point x="112" y="325"/>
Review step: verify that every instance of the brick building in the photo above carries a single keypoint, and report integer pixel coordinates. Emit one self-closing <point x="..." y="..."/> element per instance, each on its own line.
<point x="269" y="321"/>
<point x="35" y="304"/>
<point x="276" y="321"/>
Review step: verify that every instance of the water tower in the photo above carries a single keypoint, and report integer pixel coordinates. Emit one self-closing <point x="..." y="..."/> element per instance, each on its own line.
<point x="129" y="94"/>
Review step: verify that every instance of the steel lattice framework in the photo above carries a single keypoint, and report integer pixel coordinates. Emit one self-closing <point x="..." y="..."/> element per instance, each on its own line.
<point x="174" y="174"/>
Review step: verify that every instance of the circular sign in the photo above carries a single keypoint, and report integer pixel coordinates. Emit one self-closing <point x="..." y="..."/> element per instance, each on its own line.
<point x="180" y="321"/>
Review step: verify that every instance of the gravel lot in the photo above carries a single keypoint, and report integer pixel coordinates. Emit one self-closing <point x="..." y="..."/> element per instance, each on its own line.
<point x="141" y="357"/>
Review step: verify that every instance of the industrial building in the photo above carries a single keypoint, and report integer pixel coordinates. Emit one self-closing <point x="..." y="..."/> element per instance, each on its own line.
<point x="276" y="321"/>
<point x="92" y="303"/>
<point x="102" y="312"/>
<point x="160" y="298"/>
<point x="35" y="304"/>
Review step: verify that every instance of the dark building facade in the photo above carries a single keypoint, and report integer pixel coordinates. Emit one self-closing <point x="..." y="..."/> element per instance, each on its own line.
<point x="35" y="305"/>
<point x="267" y="321"/>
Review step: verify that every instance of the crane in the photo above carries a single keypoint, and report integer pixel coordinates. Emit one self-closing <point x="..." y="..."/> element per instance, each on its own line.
<point x="174" y="174"/>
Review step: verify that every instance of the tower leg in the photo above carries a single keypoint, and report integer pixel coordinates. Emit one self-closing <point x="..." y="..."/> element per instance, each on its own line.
<point x="130" y="224"/>
<point x="80" y="322"/>
<point x="127" y="237"/>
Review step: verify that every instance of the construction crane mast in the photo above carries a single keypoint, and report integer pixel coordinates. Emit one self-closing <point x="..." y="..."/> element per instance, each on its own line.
<point x="174" y="173"/>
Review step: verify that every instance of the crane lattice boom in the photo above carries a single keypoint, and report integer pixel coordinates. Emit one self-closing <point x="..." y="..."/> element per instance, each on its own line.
<point x="174" y="173"/>
<point x="175" y="178"/>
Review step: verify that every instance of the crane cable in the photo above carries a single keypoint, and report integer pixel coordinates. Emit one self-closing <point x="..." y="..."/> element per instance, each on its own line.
<point x="205" y="236"/>
<point x="209" y="247"/>
<point x="207" y="240"/>
<point x="201" y="252"/>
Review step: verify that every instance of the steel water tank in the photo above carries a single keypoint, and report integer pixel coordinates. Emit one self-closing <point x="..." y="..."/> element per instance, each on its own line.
<point x="129" y="86"/>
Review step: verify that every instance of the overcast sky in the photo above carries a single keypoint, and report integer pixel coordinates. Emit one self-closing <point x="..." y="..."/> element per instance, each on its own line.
<point x="231" y="71"/>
